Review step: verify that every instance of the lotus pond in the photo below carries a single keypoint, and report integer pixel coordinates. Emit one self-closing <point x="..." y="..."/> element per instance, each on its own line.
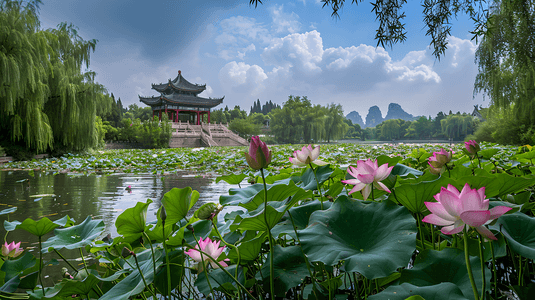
<point x="314" y="231"/>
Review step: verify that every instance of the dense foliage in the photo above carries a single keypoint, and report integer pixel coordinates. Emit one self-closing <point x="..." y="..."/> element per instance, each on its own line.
<point x="320" y="249"/>
<point x="46" y="100"/>
<point x="506" y="61"/>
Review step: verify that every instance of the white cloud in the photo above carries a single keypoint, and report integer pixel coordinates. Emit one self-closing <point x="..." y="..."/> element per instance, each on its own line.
<point x="284" y="22"/>
<point x="242" y="78"/>
<point x="241" y="54"/>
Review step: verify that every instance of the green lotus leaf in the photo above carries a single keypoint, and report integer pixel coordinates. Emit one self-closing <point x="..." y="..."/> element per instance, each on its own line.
<point x="255" y="220"/>
<point x="498" y="184"/>
<point x="249" y="247"/>
<point x="176" y="259"/>
<point x="403" y="170"/>
<point x="37" y="228"/>
<point x="445" y="290"/>
<point x="413" y="196"/>
<point x="8" y="210"/>
<point x="231" y="178"/>
<point x="11" y="285"/>
<point x="77" y="287"/>
<point x="435" y="267"/>
<point x="131" y="223"/>
<point x="178" y="202"/>
<point x="75" y="236"/>
<point x="373" y="239"/>
<point x="519" y="231"/>
<point x="252" y="196"/>
<point x="289" y="267"/>
<point x="301" y="216"/>
<point x="385" y="159"/>
<point x="17" y="267"/>
<point x="307" y="179"/>
<point x="133" y="283"/>
<point x="219" y="280"/>
<point x="525" y="157"/>
<point x="488" y="153"/>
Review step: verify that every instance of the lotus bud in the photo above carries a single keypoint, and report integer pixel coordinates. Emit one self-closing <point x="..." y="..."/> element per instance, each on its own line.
<point x="126" y="252"/>
<point x="208" y="211"/>
<point x="163" y="214"/>
<point x="190" y="228"/>
<point x="472" y="147"/>
<point x="259" y="155"/>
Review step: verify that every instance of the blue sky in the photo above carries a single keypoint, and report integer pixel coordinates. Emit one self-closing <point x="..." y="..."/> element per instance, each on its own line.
<point x="281" y="48"/>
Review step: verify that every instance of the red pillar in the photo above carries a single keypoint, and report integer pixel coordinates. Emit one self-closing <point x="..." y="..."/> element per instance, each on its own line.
<point x="208" y="116"/>
<point x="198" y="120"/>
<point x="160" y="115"/>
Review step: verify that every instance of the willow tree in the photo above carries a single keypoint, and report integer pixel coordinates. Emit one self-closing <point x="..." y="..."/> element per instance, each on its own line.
<point x="506" y="61"/>
<point x="46" y="99"/>
<point x="24" y="69"/>
<point x="335" y="127"/>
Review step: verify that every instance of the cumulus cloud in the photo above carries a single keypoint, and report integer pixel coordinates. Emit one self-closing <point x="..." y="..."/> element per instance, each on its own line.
<point x="242" y="78"/>
<point x="284" y="22"/>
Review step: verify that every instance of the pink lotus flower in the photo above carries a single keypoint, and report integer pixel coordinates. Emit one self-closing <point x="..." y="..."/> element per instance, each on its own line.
<point x="306" y="156"/>
<point x="454" y="210"/>
<point x="11" y="250"/>
<point x="212" y="249"/>
<point x="259" y="155"/>
<point x="368" y="174"/>
<point x="472" y="147"/>
<point x="439" y="160"/>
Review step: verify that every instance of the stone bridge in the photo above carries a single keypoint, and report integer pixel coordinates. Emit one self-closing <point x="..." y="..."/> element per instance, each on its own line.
<point x="204" y="135"/>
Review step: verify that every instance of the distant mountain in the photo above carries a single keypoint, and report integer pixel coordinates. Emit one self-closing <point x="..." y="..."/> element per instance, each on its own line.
<point x="374" y="116"/>
<point x="355" y="118"/>
<point x="396" y="112"/>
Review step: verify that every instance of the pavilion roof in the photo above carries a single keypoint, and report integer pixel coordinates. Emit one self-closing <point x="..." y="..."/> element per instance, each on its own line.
<point x="179" y="84"/>
<point x="181" y="99"/>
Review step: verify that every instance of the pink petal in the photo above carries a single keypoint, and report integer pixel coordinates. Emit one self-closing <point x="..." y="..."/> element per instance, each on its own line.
<point x="498" y="211"/>
<point x="365" y="178"/>
<point x="351" y="181"/>
<point x="452" y="229"/>
<point x="382" y="186"/>
<point x="302" y="155"/>
<point x="359" y="186"/>
<point x="475" y="218"/>
<point x="352" y="171"/>
<point x="451" y="203"/>
<point x="437" y="208"/>
<point x="486" y="233"/>
<point x="434" y="219"/>
<point x="364" y="168"/>
<point x="315" y="153"/>
<point x="366" y="191"/>
<point x="481" y="192"/>
<point x="452" y="189"/>
<point x="382" y="172"/>
<point x="471" y="200"/>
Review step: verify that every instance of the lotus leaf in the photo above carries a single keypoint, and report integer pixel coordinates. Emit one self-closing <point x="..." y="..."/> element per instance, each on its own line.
<point x="219" y="280"/>
<point x="231" y="178"/>
<point x="445" y="290"/>
<point x="8" y="210"/>
<point x="435" y="267"/>
<point x="301" y="216"/>
<point x="16" y="267"/>
<point x="39" y="228"/>
<point x="75" y="236"/>
<point x="252" y="196"/>
<point x="131" y="223"/>
<point x="307" y="179"/>
<point x="373" y="239"/>
<point x="413" y="196"/>
<point x="133" y="283"/>
<point x="178" y="202"/>
<point x="289" y="267"/>
<point x="519" y="231"/>
<point x="11" y="285"/>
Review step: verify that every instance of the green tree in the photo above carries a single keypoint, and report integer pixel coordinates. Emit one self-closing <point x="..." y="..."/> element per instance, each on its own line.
<point x="335" y="127"/>
<point x="458" y="127"/>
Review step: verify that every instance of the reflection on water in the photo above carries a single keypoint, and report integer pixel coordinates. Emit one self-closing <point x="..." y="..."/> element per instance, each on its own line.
<point x="100" y="196"/>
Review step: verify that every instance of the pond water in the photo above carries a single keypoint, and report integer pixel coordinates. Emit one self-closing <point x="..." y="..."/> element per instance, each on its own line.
<point x="43" y="194"/>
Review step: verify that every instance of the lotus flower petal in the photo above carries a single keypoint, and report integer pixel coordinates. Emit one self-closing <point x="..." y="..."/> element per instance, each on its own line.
<point x="436" y="220"/>
<point x="475" y="218"/>
<point x="484" y="231"/>
<point x="498" y="211"/>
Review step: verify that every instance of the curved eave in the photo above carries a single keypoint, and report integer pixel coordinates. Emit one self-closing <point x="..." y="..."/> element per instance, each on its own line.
<point x="194" y="101"/>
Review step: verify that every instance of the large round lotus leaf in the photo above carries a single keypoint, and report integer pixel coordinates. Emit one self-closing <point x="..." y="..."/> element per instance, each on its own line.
<point x="75" y="236"/>
<point x="373" y="239"/>
<point x="445" y="290"/>
<point x="434" y="267"/>
<point x="290" y="269"/>
<point x="519" y="230"/>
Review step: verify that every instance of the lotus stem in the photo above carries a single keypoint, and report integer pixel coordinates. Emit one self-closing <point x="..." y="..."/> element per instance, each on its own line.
<point x="420" y="230"/>
<point x="519" y="270"/>
<point x="357" y="293"/>
<point x="468" y="265"/>
<point x="41" y="267"/>
<point x="143" y="277"/>
<point x="231" y="246"/>
<point x="480" y="240"/>
<point x="304" y="255"/>
<point x="152" y="252"/>
<point x="271" y="253"/>
<point x="494" y="270"/>
<point x="318" y="185"/>
<point x="167" y="266"/>
<point x="227" y="272"/>
<point x="203" y="265"/>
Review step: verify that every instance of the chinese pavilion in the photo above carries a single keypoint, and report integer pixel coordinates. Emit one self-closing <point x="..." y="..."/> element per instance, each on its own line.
<point x="180" y="101"/>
